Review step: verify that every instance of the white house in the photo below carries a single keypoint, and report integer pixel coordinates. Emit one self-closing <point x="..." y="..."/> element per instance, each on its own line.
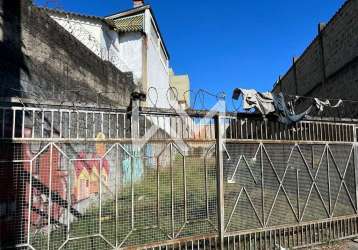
<point x="131" y="40"/>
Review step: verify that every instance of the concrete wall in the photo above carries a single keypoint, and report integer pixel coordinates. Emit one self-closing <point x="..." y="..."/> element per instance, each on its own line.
<point x="328" y="68"/>
<point x="124" y="50"/>
<point x="158" y="70"/>
<point x="130" y="52"/>
<point x="111" y="51"/>
<point x="121" y="50"/>
<point x="89" y="32"/>
<point x="158" y="75"/>
<point x="41" y="60"/>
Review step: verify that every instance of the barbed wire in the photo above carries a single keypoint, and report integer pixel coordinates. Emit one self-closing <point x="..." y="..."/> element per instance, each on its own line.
<point x="199" y="99"/>
<point x="172" y="97"/>
<point x="151" y="91"/>
<point x="335" y="107"/>
<point x="341" y="108"/>
<point x="323" y="98"/>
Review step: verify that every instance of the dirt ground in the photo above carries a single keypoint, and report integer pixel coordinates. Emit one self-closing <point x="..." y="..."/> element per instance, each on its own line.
<point x="345" y="245"/>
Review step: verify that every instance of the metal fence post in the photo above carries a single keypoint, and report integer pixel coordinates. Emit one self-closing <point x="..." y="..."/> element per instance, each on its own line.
<point x="355" y="163"/>
<point x="219" y="133"/>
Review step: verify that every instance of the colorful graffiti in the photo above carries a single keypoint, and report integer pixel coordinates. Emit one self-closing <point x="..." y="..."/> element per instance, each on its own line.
<point x="90" y="173"/>
<point x="49" y="177"/>
<point x="43" y="192"/>
<point x="46" y="170"/>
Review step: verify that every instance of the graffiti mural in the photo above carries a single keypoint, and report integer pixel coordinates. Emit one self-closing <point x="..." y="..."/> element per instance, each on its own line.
<point x="61" y="182"/>
<point x="88" y="169"/>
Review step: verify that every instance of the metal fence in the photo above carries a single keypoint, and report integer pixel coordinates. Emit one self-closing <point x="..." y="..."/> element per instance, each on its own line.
<point x="75" y="178"/>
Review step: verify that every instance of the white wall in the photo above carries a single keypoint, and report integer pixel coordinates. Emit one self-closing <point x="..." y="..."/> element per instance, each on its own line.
<point x="113" y="50"/>
<point x="158" y="76"/>
<point x="89" y="33"/>
<point x="130" y="51"/>
<point x="158" y="70"/>
<point x="124" y="51"/>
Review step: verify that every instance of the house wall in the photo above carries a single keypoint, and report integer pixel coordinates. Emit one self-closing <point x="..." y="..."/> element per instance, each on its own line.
<point x="125" y="51"/>
<point x="90" y="33"/>
<point x="103" y="41"/>
<point x="111" y="51"/>
<point x="182" y="84"/>
<point x="130" y="51"/>
<point x="158" y="70"/>
<point x="328" y="68"/>
<point x="158" y="76"/>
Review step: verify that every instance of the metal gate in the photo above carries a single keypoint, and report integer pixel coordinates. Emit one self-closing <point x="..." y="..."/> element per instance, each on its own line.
<point x="74" y="178"/>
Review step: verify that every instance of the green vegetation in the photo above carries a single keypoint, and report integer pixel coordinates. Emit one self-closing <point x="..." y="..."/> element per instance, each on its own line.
<point x="145" y="226"/>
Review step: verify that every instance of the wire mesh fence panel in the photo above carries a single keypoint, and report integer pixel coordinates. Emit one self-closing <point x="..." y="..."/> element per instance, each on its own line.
<point x="105" y="195"/>
<point x="74" y="178"/>
<point x="269" y="185"/>
<point x="200" y="190"/>
<point x="242" y="187"/>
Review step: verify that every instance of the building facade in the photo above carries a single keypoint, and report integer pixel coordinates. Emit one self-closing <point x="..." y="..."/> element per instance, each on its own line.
<point x="131" y="40"/>
<point x="181" y="84"/>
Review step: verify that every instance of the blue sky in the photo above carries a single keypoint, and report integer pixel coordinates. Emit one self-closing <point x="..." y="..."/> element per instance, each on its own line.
<point x="228" y="44"/>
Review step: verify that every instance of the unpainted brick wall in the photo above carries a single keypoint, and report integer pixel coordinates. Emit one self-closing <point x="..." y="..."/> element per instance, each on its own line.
<point x="328" y="68"/>
<point x="40" y="60"/>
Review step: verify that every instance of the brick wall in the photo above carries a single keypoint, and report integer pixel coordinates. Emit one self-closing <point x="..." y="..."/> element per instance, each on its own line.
<point x="328" y="68"/>
<point x="42" y="61"/>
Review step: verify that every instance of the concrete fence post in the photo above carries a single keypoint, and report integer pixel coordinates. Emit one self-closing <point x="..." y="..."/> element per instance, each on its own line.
<point x="135" y="122"/>
<point x="136" y="98"/>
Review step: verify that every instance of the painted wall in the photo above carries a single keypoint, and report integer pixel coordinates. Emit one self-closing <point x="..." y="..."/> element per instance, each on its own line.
<point x="158" y="70"/>
<point x="125" y="51"/>
<point x="112" y="51"/>
<point x="130" y="51"/>
<point x="104" y="42"/>
<point x="89" y="33"/>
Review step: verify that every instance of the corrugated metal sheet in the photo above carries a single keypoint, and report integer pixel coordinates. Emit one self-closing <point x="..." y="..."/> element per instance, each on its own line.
<point x="128" y="24"/>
